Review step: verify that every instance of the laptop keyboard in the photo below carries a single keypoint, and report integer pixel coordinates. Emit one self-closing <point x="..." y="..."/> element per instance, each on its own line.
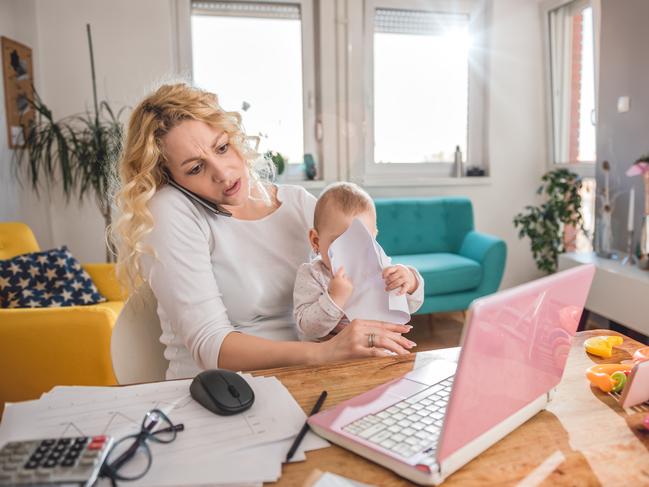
<point x="409" y="426"/>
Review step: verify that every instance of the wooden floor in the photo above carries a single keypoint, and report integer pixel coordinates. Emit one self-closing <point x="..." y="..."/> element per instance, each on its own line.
<point x="443" y="330"/>
<point x="439" y="330"/>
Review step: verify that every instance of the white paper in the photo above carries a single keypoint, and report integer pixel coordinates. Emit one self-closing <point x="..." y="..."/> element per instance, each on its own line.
<point x="328" y="479"/>
<point x="118" y="411"/>
<point x="364" y="261"/>
<point x="247" y="448"/>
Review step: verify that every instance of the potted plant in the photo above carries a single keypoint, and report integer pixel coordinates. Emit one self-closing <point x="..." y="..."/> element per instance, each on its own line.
<point x="544" y="224"/>
<point x="79" y="152"/>
<point x="278" y="160"/>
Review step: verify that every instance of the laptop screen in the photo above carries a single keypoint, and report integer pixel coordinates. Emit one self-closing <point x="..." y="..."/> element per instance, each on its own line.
<point x="515" y="348"/>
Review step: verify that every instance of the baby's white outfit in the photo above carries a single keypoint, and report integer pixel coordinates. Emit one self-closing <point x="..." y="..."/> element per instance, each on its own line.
<point x="315" y="312"/>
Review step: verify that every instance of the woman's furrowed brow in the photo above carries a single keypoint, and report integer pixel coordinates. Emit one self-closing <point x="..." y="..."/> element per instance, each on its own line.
<point x="218" y="138"/>
<point x="195" y="158"/>
<point x="191" y="159"/>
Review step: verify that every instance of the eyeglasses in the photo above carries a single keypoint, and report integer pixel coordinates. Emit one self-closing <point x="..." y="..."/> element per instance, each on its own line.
<point x="130" y="458"/>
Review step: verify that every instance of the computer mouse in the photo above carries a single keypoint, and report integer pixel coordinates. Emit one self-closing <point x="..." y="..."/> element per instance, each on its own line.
<point x="222" y="391"/>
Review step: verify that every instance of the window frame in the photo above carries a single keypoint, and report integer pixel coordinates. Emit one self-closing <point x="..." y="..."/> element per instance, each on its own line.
<point x="311" y="140"/>
<point x="583" y="169"/>
<point x="423" y="173"/>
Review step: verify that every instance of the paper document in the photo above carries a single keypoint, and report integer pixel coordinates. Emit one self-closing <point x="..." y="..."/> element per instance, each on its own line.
<point x="364" y="261"/>
<point x="328" y="479"/>
<point x="246" y="448"/>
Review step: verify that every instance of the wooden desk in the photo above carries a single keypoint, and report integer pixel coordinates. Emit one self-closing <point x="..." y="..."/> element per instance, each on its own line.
<point x="583" y="438"/>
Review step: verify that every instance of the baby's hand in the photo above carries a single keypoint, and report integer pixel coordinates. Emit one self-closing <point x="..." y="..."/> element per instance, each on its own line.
<point x="400" y="277"/>
<point x="340" y="288"/>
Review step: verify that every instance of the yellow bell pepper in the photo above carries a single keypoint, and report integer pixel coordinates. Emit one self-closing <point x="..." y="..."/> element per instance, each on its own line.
<point x="602" y="346"/>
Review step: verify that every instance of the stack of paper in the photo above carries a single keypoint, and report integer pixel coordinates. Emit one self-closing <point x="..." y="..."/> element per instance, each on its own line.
<point x="246" y="448"/>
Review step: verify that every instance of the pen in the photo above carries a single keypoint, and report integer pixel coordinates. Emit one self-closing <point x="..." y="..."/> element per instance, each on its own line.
<point x="305" y="428"/>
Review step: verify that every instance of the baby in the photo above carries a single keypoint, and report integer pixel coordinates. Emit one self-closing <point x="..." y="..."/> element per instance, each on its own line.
<point x="320" y="297"/>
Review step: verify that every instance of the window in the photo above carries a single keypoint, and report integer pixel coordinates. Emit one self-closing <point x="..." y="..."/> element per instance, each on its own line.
<point x="428" y="87"/>
<point x="572" y="82"/>
<point x="258" y="58"/>
<point x="400" y="83"/>
<point x="425" y="89"/>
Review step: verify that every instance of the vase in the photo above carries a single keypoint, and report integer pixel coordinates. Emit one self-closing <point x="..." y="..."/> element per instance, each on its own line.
<point x="604" y="236"/>
<point x="643" y="258"/>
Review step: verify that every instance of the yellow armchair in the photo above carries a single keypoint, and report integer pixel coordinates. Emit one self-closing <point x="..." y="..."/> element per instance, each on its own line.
<point x="44" y="347"/>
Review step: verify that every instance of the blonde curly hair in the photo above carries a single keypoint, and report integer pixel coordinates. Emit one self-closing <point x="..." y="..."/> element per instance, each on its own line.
<point x="141" y="167"/>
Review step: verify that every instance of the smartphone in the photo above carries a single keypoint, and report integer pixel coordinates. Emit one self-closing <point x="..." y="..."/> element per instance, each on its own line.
<point x="213" y="207"/>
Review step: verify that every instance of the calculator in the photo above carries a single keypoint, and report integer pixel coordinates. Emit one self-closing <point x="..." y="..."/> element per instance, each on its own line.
<point x="62" y="461"/>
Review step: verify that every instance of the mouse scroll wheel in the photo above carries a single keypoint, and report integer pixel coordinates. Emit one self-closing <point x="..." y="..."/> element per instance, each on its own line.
<point x="233" y="391"/>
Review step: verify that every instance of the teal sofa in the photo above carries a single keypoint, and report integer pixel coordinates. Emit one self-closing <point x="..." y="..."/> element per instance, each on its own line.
<point x="436" y="236"/>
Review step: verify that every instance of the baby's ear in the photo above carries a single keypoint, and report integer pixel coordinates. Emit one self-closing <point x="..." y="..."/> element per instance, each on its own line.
<point x="314" y="240"/>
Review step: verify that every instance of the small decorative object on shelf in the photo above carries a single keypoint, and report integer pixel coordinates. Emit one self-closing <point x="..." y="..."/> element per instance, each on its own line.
<point x="459" y="166"/>
<point x="310" y="170"/>
<point x="630" y="259"/>
<point x="604" y="234"/>
<point x="641" y="168"/>
<point x="475" y="171"/>
<point x="603" y="230"/>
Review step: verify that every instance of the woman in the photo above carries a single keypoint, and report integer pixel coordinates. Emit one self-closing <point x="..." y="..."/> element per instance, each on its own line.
<point x="223" y="283"/>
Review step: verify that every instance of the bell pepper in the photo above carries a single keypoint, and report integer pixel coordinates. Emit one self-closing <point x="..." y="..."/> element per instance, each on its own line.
<point x="602" y="346"/>
<point x="600" y="375"/>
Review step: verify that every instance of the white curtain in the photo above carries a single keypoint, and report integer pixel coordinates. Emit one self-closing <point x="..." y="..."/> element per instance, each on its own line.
<point x="560" y="59"/>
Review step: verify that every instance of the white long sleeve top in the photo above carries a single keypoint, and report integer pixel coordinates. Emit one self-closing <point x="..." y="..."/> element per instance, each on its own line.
<point x="213" y="275"/>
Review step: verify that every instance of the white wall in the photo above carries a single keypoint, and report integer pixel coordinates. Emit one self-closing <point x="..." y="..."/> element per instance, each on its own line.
<point x="18" y="203"/>
<point x="133" y="51"/>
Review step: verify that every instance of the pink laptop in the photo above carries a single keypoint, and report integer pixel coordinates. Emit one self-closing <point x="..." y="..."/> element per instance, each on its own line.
<point x="435" y="419"/>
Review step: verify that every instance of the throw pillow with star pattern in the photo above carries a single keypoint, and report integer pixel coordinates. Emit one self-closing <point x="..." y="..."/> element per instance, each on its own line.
<point x="50" y="278"/>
